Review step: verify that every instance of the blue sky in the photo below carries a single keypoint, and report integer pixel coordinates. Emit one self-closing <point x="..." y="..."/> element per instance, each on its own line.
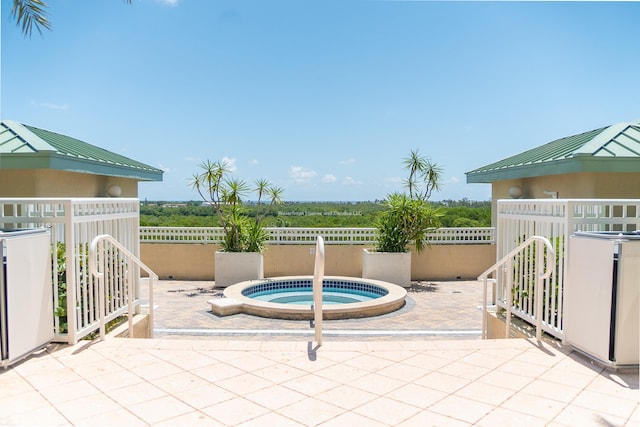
<point x="322" y="98"/>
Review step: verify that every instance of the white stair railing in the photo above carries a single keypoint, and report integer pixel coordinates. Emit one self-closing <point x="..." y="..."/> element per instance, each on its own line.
<point x="506" y="265"/>
<point x="97" y="250"/>
<point x="318" y="277"/>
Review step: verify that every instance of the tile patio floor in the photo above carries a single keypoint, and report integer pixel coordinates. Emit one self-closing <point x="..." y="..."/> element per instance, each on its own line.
<point x="226" y="379"/>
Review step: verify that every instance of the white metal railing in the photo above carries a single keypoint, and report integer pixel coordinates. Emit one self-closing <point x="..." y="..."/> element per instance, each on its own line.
<point x="557" y="220"/>
<point x="107" y="265"/>
<point x="531" y="261"/>
<point x="298" y="235"/>
<point x="74" y="222"/>
<point x="318" y="278"/>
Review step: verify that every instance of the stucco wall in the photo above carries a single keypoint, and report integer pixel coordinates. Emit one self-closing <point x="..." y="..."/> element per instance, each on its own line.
<point x="52" y="183"/>
<point x="584" y="185"/>
<point x="438" y="262"/>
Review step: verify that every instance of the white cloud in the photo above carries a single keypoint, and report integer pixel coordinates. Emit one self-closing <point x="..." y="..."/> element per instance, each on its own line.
<point x="231" y="163"/>
<point x="347" y="162"/>
<point x="51" y="106"/>
<point x="351" y="181"/>
<point x="329" y="178"/>
<point x="454" y="180"/>
<point x="301" y="175"/>
<point x="253" y="162"/>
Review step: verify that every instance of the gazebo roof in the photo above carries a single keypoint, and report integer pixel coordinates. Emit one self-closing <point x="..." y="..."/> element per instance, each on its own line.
<point x="27" y="147"/>
<point x="614" y="148"/>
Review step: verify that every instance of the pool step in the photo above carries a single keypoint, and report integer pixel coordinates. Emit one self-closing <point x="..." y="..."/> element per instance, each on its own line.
<point x="225" y="306"/>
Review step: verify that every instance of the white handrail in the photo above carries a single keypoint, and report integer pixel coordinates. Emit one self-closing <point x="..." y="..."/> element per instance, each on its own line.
<point x="539" y="277"/>
<point x="318" y="277"/>
<point x="131" y="258"/>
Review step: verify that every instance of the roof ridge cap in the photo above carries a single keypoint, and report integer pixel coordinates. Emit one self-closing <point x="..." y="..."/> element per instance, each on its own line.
<point x="30" y="138"/>
<point x="600" y="140"/>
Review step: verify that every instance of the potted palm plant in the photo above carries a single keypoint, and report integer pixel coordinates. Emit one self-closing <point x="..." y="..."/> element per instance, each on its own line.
<point x="407" y="220"/>
<point x="240" y="257"/>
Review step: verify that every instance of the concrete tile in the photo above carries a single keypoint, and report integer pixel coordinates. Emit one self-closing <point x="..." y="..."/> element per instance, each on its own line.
<point x="505" y="380"/>
<point x="507" y="418"/>
<point x="416" y="395"/>
<point x="387" y="411"/>
<point x="432" y="419"/>
<point x="341" y="373"/>
<point x="346" y="397"/>
<point x="12" y="383"/>
<point x="189" y="420"/>
<point x="367" y="362"/>
<point x="53" y="377"/>
<point x="41" y="416"/>
<point x="578" y="416"/>
<point x="271" y="419"/>
<point x="21" y="403"/>
<point x="94" y="369"/>
<point x="377" y="384"/>
<point x="462" y="409"/>
<point x="634" y="419"/>
<point x="235" y="411"/>
<point x="486" y="393"/>
<point x="279" y="373"/>
<point x="442" y="382"/>
<point x="463" y="370"/>
<point x="521" y="368"/>
<point x="119" y="417"/>
<point x="185" y="359"/>
<point x="244" y="384"/>
<point x="549" y="390"/>
<point x="161" y="409"/>
<point x="137" y="393"/>
<point x="156" y="370"/>
<point x="251" y="362"/>
<point x="217" y="372"/>
<point x="310" y="385"/>
<point x="351" y="419"/>
<point x="68" y="391"/>
<point x="623" y="386"/>
<point x="563" y="376"/>
<point x="429" y="361"/>
<point x="394" y="355"/>
<point x="311" y="411"/>
<point x="275" y="397"/>
<point x="203" y="396"/>
<point x="114" y="380"/>
<point x="534" y="405"/>
<point x="605" y="404"/>
<point x="311" y="364"/>
<point x="403" y="372"/>
<point x="178" y="382"/>
<point x="80" y="410"/>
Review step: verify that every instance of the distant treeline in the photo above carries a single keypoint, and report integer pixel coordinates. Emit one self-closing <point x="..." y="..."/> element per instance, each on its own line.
<point x="457" y="213"/>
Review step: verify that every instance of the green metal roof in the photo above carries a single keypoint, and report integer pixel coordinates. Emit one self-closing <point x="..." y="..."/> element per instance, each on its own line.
<point x="614" y="148"/>
<point x="28" y="147"/>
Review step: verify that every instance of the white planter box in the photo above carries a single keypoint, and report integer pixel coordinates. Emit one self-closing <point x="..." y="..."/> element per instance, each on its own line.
<point x="387" y="266"/>
<point x="234" y="267"/>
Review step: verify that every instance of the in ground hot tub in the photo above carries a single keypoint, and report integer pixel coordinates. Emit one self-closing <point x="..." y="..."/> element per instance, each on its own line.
<point x="292" y="297"/>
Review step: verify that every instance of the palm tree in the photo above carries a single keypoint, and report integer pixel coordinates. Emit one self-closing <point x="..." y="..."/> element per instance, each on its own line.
<point x="226" y="196"/>
<point x="30" y="14"/>
<point x="424" y="176"/>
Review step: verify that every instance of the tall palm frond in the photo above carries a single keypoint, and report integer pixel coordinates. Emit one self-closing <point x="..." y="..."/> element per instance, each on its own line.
<point x="30" y="14"/>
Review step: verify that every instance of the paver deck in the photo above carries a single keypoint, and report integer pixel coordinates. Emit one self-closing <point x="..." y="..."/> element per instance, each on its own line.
<point x="222" y="380"/>
<point x="433" y="309"/>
